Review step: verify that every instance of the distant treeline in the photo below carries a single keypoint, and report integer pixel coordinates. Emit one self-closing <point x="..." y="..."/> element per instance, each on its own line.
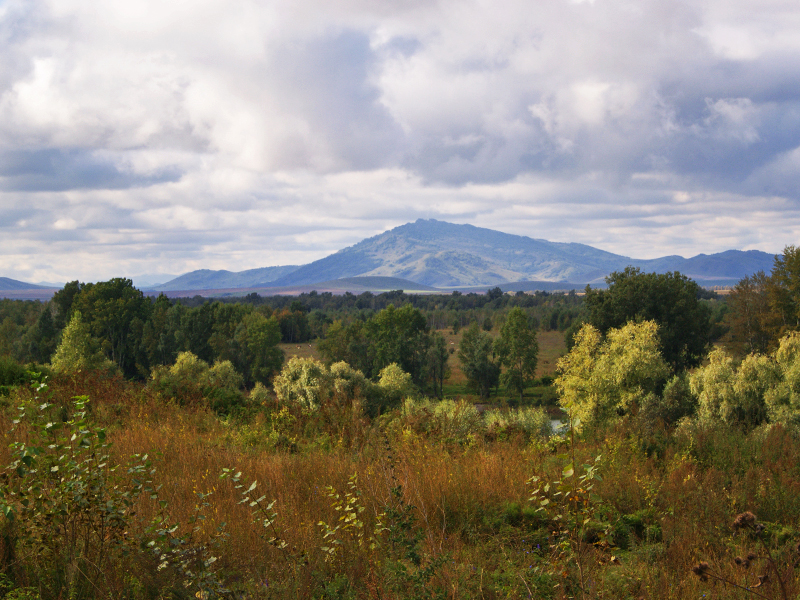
<point x="138" y="333"/>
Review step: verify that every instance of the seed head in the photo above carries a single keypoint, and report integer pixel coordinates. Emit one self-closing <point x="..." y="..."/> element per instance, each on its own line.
<point x="700" y="569"/>
<point x="745" y="519"/>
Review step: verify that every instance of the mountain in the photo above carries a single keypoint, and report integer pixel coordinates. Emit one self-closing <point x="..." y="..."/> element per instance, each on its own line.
<point x="205" y="279"/>
<point x="20" y="290"/>
<point x="9" y="285"/>
<point x="441" y="254"/>
<point x="435" y="254"/>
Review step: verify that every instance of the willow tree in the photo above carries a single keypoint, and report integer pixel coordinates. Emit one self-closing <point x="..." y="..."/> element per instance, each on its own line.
<point x="601" y="380"/>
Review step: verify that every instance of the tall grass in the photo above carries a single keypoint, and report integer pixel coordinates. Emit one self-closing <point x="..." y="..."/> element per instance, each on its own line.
<point x="435" y="481"/>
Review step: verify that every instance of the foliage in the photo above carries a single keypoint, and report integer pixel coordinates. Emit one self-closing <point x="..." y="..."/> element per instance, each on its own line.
<point x="765" y="307"/>
<point x="259" y="337"/>
<point x="573" y="507"/>
<point x="761" y="388"/>
<point x="302" y="381"/>
<point x="671" y="300"/>
<point x="755" y="326"/>
<point x="602" y="380"/>
<point x="476" y="353"/>
<point x="517" y="351"/>
<point x="437" y="361"/>
<point x="675" y="403"/>
<point x="734" y="395"/>
<point x="78" y="351"/>
<point x="191" y="380"/>
<point x="116" y="312"/>
<point x="308" y="383"/>
<point x="67" y="509"/>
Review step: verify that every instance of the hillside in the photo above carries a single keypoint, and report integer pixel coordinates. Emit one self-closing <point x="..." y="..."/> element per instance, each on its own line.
<point x="441" y="254"/>
<point x="207" y="279"/>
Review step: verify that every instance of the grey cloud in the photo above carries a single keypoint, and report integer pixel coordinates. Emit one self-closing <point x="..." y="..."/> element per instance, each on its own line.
<point x="59" y="169"/>
<point x="329" y="81"/>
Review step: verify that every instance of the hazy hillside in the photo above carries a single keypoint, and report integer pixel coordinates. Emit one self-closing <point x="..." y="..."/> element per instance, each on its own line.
<point x="8" y="285"/>
<point x="441" y="254"/>
<point x="206" y="279"/>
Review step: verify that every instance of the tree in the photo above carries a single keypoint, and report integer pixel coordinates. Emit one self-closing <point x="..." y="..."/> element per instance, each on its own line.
<point x="786" y="296"/>
<point x="477" y="360"/>
<point x="78" y="351"/>
<point x="399" y="335"/>
<point x="116" y="313"/>
<point x="601" y="380"/>
<point x="755" y="324"/>
<point x="346" y="343"/>
<point x="765" y="307"/>
<point x="670" y="299"/>
<point x="259" y="338"/>
<point x="438" y="369"/>
<point x="517" y="351"/>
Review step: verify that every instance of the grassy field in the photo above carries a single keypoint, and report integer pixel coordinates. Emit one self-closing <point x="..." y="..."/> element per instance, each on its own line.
<point x="340" y="508"/>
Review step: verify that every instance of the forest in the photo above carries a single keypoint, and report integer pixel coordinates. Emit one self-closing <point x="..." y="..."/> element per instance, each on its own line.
<point x="636" y="441"/>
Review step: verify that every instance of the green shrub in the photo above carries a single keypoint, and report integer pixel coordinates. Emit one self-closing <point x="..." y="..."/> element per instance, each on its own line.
<point x="190" y="380"/>
<point x="66" y="510"/>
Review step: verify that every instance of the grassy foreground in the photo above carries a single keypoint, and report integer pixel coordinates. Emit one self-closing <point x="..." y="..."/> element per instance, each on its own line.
<point x="331" y="505"/>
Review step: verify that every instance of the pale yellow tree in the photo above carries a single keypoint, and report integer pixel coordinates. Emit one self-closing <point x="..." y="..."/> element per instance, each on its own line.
<point x="601" y="380"/>
<point x="77" y="350"/>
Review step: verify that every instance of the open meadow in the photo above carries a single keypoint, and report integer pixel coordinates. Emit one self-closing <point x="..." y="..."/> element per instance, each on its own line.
<point x="333" y="505"/>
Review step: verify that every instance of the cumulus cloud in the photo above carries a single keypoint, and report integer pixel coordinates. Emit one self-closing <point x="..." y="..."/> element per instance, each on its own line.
<point x="151" y="136"/>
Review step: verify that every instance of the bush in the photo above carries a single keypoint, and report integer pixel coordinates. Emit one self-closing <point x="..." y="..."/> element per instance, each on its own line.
<point x="190" y="381"/>
<point x="308" y="383"/>
<point x="533" y="422"/>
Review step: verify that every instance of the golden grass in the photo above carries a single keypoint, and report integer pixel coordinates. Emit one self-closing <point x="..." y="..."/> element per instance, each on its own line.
<point x="462" y="498"/>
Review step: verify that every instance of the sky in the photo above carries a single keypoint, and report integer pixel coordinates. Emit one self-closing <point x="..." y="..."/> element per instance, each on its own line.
<point x="163" y="136"/>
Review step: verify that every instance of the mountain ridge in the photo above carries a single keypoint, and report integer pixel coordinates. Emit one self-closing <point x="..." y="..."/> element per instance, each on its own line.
<point x="441" y="255"/>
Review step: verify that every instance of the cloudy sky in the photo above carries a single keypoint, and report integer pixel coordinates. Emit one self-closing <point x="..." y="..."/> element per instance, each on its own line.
<point x="163" y="136"/>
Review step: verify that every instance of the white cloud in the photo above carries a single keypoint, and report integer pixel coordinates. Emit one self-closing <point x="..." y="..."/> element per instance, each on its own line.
<point x="182" y="133"/>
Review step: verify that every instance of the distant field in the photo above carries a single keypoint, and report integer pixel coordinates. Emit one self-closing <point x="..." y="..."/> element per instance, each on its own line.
<point x="304" y="350"/>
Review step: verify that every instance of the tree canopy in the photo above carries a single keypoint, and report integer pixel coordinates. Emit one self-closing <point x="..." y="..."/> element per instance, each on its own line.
<point x="518" y="351"/>
<point x="670" y="299"/>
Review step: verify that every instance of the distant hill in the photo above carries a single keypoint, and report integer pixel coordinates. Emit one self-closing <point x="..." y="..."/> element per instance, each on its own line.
<point x="430" y="254"/>
<point x="441" y="254"/>
<point x="20" y="290"/>
<point x="205" y="279"/>
<point x="8" y="285"/>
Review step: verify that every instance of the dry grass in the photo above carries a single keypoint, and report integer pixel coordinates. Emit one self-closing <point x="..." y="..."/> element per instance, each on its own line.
<point x="463" y="499"/>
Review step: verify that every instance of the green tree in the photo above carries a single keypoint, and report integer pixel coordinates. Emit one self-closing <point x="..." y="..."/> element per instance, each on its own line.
<point x="786" y="293"/>
<point x="476" y="353"/>
<point x="734" y="395"/>
<point x="517" y="351"/>
<point x="670" y="299"/>
<point x="78" y="351"/>
<point x="259" y="338"/>
<point x="116" y="313"/>
<point x="438" y="357"/>
<point x="601" y="380"/>
<point x="347" y="343"/>
<point x="399" y="335"/>
<point x="755" y="324"/>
